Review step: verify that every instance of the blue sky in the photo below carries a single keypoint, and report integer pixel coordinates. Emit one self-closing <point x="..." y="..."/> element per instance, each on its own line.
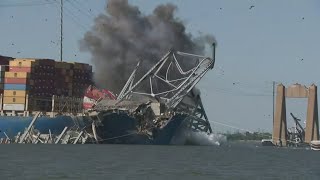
<point x="255" y="47"/>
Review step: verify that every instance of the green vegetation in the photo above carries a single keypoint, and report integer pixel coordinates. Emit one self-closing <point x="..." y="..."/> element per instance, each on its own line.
<point x="248" y="136"/>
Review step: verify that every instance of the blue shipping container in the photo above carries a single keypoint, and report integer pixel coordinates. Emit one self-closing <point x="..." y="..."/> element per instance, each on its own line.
<point x="16" y="87"/>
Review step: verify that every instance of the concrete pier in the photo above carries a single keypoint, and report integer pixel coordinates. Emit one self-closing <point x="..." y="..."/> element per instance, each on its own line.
<point x="312" y="125"/>
<point x="280" y="121"/>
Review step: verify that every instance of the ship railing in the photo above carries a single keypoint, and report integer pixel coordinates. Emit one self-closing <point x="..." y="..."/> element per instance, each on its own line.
<point x="49" y="106"/>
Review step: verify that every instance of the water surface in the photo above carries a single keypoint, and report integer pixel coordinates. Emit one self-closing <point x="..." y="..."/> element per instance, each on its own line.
<point x="230" y="161"/>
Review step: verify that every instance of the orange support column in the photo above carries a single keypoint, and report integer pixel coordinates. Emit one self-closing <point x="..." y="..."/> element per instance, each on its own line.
<point x="280" y="121"/>
<point x="312" y="125"/>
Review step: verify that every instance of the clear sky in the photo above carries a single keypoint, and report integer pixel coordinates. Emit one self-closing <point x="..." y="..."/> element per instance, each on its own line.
<point x="255" y="47"/>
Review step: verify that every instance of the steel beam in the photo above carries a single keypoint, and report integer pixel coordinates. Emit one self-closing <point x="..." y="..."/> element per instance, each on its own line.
<point x="28" y="129"/>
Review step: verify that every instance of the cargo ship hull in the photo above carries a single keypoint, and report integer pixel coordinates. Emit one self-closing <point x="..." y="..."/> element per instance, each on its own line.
<point x="123" y="129"/>
<point x="114" y="128"/>
<point x="11" y="125"/>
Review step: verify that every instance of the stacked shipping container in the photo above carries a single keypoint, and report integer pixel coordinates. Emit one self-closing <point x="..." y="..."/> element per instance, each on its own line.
<point x="4" y="62"/>
<point x="39" y="79"/>
<point x="63" y="79"/>
<point x="82" y="75"/>
<point x="18" y="82"/>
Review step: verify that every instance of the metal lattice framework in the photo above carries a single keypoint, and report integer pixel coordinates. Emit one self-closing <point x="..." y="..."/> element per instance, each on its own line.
<point x="168" y="73"/>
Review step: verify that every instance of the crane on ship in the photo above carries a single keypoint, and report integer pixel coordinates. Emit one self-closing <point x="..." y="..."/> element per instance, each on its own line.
<point x="297" y="133"/>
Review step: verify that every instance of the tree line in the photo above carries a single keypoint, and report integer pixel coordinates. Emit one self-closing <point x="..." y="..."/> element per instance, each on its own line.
<point x="248" y="136"/>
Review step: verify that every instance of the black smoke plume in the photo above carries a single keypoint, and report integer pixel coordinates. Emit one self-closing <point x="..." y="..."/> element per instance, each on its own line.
<point x="123" y="35"/>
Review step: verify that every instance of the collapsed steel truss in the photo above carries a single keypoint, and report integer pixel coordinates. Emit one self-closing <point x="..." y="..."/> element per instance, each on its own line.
<point x="174" y="89"/>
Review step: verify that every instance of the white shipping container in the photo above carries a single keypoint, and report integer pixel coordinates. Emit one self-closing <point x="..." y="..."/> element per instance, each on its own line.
<point x="88" y="100"/>
<point x="13" y="107"/>
<point x="2" y="68"/>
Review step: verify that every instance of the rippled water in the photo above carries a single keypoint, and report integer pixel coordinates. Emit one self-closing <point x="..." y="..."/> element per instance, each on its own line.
<point x="230" y="161"/>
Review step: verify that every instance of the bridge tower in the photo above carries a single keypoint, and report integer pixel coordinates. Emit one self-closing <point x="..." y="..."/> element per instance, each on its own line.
<point x="280" y="134"/>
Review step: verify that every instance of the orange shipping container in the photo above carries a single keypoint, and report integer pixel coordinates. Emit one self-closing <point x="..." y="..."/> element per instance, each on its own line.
<point x="23" y="62"/>
<point x="14" y="100"/>
<point x="14" y="93"/>
<point x="17" y="75"/>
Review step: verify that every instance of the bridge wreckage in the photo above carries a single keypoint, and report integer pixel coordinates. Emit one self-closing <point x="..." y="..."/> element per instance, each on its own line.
<point x="150" y="109"/>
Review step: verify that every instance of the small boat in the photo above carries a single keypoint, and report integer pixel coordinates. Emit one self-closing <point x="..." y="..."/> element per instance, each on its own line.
<point x="267" y="142"/>
<point x="315" y="145"/>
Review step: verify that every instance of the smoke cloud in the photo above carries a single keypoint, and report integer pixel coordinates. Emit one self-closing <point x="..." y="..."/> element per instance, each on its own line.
<point x="123" y="35"/>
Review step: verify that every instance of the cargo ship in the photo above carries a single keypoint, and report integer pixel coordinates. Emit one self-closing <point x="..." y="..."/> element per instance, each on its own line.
<point x="139" y="114"/>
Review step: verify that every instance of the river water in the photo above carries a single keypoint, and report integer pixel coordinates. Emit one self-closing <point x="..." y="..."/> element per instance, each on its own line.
<point x="228" y="161"/>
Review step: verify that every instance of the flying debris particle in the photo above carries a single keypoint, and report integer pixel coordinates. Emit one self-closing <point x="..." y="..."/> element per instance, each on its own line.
<point x="11" y="16"/>
<point x="12" y="44"/>
<point x="251" y="7"/>
<point x="46" y="19"/>
<point x="221" y="71"/>
<point x="18" y="52"/>
<point x="234" y="83"/>
<point x="75" y="55"/>
<point x="301" y="59"/>
<point x="220" y="8"/>
<point x="302" y="18"/>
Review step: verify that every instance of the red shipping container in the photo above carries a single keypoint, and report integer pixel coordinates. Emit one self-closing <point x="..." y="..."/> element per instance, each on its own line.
<point x="19" y="69"/>
<point x="16" y="81"/>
